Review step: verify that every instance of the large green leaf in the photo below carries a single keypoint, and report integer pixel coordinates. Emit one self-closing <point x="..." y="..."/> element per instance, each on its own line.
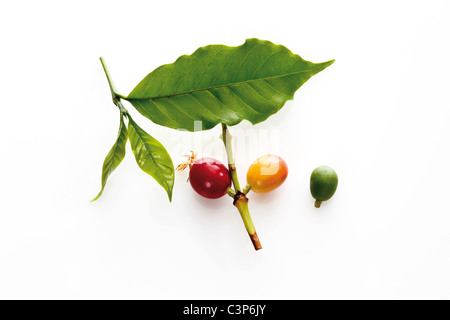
<point x="151" y="156"/>
<point x="115" y="155"/>
<point x="221" y="84"/>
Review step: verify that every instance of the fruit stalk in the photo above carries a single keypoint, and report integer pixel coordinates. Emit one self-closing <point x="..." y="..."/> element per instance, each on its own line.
<point x="240" y="200"/>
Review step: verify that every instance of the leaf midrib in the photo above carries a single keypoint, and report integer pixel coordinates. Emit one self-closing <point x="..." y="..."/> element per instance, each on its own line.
<point x="229" y="84"/>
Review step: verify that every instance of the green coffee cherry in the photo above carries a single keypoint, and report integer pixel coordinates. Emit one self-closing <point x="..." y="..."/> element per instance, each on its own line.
<point x="323" y="184"/>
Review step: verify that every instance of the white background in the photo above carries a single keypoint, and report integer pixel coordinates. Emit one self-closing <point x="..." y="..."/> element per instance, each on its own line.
<point x="379" y="116"/>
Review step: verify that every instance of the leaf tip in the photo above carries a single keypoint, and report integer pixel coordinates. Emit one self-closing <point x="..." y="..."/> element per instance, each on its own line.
<point x="169" y="194"/>
<point x="328" y="63"/>
<point x="98" y="196"/>
<point x="321" y="66"/>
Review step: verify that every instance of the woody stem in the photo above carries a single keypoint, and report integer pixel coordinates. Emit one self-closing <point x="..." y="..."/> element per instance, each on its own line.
<point x="240" y="200"/>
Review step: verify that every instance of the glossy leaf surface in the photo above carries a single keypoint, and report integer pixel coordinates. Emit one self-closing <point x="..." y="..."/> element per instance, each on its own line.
<point x="115" y="155"/>
<point x="221" y="84"/>
<point x="151" y="156"/>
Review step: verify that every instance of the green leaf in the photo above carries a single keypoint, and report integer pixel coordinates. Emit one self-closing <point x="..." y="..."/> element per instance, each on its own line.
<point x="115" y="155"/>
<point x="221" y="84"/>
<point x="151" y="156"/>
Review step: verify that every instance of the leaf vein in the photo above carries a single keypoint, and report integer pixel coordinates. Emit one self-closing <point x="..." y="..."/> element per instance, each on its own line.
<point x="226" y="106"/>
<point x="242" y="62"/>
<point x="243" y="101"/>
<point x="282" y="93"/>
<point x="262" y="63"/>
<point x="209" y="111"/>
<point x="177" y="107"/>
<point x="206" y="68"/>
<point x="270" y="101"/>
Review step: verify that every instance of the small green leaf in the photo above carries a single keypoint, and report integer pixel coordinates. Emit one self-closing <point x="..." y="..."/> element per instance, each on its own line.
<point x="221" y="84"/>
<point x="152" y="157"/>
<point x="115" y="155"/>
